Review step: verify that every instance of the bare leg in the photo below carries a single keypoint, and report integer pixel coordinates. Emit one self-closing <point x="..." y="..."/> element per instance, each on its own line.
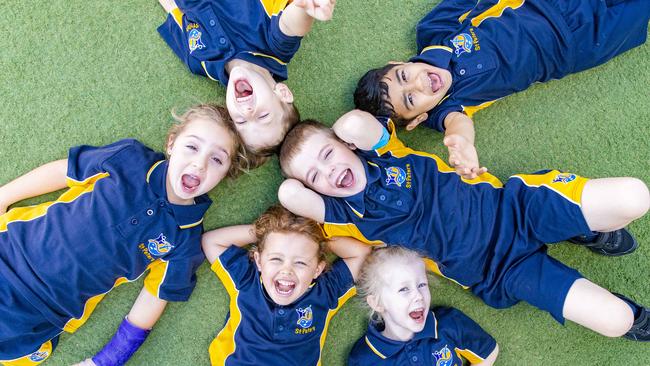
<point x="609" y="204"/>
<point x="168" y="5"/>
<point x="595" y="308"/>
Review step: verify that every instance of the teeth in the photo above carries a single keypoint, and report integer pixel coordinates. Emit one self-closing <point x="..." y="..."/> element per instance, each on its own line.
<point x="285" y="283"/>
<point x="244" y="99"/>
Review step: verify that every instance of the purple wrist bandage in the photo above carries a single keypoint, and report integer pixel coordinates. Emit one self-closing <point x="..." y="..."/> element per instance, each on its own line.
<point x="126" y="340"/>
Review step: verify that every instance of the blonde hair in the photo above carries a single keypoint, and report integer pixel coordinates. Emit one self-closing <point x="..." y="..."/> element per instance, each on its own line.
<point x="277" y="219"/>
<point x="220" y="116"/>
<point x="371" y="279"/>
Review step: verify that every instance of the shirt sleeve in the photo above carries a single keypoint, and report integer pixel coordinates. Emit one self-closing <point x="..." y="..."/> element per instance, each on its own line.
<point x="471" y="341"/>
<point x="437" y="115"/>
<point x="86" y="162"/>
<point x="234" y="268"/>
<point x="282" y="46"/>
<point x="335" y="210"/>
<point x="337" y="283"/>
<point x="441" y="22"/>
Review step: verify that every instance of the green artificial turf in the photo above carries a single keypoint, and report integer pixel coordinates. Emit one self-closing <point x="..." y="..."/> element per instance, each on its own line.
<point x="90" y="72"/>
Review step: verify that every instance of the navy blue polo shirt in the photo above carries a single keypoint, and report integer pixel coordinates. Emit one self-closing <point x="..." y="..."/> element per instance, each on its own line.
<point x="206" y="34"/>
<point x="448" y="337"/>
<point x="415" y="200"/>
<point x="111" y="225"/>
<point x="495" y="48"/>
<point x="260" y="332"/>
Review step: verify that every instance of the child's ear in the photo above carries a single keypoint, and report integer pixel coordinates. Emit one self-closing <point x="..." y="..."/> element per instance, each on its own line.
<point x="373" y="302"/>
<point x="283" y="91"/>
<point x="416" y="121"/>
<point x="258" y="263"/>
<point x="319" y="269"/>
<point x="170" y="144"/>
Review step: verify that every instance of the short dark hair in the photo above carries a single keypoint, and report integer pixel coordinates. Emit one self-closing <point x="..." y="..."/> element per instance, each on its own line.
<point x="371" y="94"/>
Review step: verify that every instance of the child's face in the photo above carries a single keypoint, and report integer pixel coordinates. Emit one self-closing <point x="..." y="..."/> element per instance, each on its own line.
<point x="403" y="300"/>
<point x="416" y="87"/>
<point x="199" y="158"/>
<point x="289" y="263"/>
<point x="328" y="166"/>
<point x="257" y="106"/>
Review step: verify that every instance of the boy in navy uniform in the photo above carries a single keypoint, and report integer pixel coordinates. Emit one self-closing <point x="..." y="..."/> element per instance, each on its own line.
<point x="246" y="45"/>
<point x="481" y="234"/>
<point x="472" y="53"/>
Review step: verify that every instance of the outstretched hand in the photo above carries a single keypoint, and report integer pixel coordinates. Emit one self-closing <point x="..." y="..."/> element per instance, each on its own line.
<point x="317" y="9"/>
<point x="463" y="157"/>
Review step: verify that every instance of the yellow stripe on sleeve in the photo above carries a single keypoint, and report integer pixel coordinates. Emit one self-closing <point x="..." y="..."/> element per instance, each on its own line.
<point x="274" y="7"/>
<point x="177" y="14"/>
<point x="568" y="185"/>
<point x="470" y="110"/>
<point x="333" y="229"/>
<point x="342" y="300"/>
<point x="469" y="355"/>
<point x="224" y="343"/>
<point x="497" y="10"/>
<point x="432" y="266"/>
<point x="156" y="276"/>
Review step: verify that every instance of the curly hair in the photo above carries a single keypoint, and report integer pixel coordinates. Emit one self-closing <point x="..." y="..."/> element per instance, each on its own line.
<point x="277" y="219"/>
<point x="238" y="161"/>
<point x="371" y="95"/>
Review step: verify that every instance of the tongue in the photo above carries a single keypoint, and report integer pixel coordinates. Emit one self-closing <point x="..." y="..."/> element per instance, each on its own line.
<point x="284" y="288"/>
<point x="243" y="88"/>
<point x="190" y="181"/>
<point x="347" y="179"/>
<point x="415" y="314"/>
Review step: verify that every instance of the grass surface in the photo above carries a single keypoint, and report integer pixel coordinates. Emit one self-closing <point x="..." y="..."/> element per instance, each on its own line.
<point x="88" y="72"/>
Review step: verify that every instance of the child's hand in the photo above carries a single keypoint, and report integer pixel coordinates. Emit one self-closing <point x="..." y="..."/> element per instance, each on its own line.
<point x="86" y="362"/>
<point x="317" y="9"/>
<point x="463" y="157"/>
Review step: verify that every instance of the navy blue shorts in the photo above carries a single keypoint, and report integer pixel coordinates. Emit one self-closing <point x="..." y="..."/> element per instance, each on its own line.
<point x="539" y="208"/>
<point x="603" y="29"/>
<point x="26" y="337"/>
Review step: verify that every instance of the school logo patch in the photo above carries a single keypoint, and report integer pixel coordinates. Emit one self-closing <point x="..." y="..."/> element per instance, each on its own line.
<point x="564" y="178"/>
<point x="159" y="246"/>
<point x="462" y="43"/>
<point x="305" y="317"/>
<point x="395" y="175"/>
<point x="38" y="356"/>
<point x="194" y="40"/>
<point x="443" y="357"/>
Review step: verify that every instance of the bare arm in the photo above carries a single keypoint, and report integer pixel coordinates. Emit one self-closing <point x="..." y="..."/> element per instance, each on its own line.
<point x="44" y="179"/>
<point x="352" y="251"/>
<point x="359" y="128"/>
<point x="489" y="361"/>
<point x="146" y="310"/>
<point x="298" y="17"/>
<point x="217" y="241"/>
<point x="302" y="201"/>
<point x="459" y="139"/>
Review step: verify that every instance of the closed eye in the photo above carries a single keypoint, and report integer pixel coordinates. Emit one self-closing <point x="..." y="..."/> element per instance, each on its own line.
<point x="403" y="289"/>
<point x="403" y="75"/>
<point x="421" y="285"/>
<point x="217" y="160"/>
<point x="192" y="147"/>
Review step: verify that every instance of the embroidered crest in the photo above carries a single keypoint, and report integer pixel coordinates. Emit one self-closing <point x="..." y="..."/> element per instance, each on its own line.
<point x="159" y="246"/>
<point x="194" y="40"/>
<point x="564" y="178"/>
<point x="443" y="357"/>
<point x="38" y="356"/>
<point x="395" y="175"/>
<point x="462" y="43"/>
<point x="305" y="317"/>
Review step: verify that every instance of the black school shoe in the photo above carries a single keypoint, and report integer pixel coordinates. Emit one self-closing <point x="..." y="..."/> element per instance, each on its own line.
<point x="640" y="330"/>
<point x="612" y="243"/>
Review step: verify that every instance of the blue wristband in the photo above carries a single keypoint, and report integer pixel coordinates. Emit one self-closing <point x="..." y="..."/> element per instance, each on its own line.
<point x="126" y="340"/>
<point x="383" y="140"/>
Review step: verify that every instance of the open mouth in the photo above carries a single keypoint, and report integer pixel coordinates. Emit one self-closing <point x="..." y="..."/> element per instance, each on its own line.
<point x="435" y="82"/>
<point x="284" y="287"/>
<point x="417" y="316"/>
<point x="243" y="91"/>
<point x="345" y="179"/>
<point x="190" y="182"/>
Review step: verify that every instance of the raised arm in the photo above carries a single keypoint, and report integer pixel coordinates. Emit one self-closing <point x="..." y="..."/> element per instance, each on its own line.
<point x="217" y="241"/>
<point x="359" y="128"/>
<point x="44" y="179"/>
<point x="352" y="251"/>
<point x="298" y="17"/>
<point x="302" y="201"/>
<point x="459" y="139"/>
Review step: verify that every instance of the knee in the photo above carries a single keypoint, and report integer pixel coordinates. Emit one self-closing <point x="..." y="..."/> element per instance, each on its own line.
<point x="635" y="198"/>
<point x="619" y="321"/>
